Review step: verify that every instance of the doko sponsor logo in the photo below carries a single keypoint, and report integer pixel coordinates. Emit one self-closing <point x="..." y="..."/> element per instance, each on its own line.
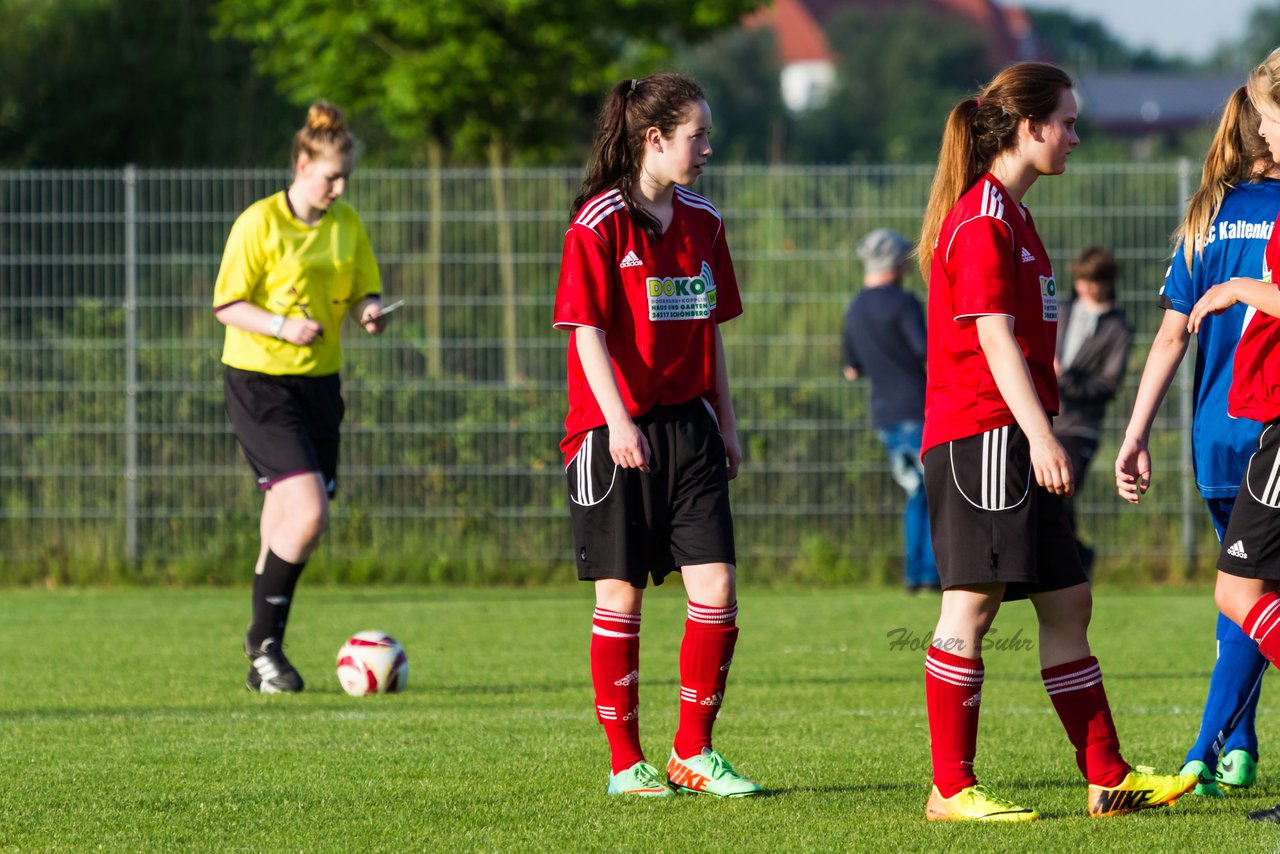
<point x="682" y="297"/>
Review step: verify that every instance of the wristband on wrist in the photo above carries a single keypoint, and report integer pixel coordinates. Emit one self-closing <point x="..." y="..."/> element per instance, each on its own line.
<point x="277" y="324"/>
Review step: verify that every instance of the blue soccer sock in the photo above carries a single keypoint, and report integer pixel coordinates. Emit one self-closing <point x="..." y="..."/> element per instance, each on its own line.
<point x="1232" y="704"/>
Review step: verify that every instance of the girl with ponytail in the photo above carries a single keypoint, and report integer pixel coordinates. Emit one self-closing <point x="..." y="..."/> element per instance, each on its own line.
<point x="1239" y="184"/>
<point x="651" y="439"/>
<point x="296" y="263"/>
<point x="995" y="476"/>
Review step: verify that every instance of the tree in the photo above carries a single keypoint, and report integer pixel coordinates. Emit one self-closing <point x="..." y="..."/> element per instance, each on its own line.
<point x="468" y="76"/>
<point x="108" y="82"/>
<point x="898" y="74"/>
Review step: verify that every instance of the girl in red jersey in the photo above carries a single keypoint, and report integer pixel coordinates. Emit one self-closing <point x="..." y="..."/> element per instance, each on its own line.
<point x="1248" y="585"/>
<point x="995" y="476"/>
<point x="651" y="440"/>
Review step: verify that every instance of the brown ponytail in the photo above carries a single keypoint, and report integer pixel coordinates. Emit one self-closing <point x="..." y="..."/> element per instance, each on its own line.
<point x="978" y="128"/>
<point x="663" y="101"/>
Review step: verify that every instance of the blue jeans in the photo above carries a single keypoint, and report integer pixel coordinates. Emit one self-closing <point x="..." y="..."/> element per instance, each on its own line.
<point x="902" y="443"/>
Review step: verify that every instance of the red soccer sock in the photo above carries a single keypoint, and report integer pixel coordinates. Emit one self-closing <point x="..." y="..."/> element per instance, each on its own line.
<point x="615" y="675"/>
<point x="705" y="655"/>
<point x="1081" y="702"/>
<point x="1263" y="617"/>
<point x="953" y="695"/>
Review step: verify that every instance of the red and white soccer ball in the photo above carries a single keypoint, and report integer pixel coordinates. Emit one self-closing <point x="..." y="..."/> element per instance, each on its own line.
<point x="372" y="662"/>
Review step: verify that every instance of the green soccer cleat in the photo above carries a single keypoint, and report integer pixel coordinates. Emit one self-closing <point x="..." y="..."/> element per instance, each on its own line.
<point x="708" y="773"/>
<point x="1237" y="769"/>
<point x="1139" y="790"/>
<point x="641" y="780"/>
<point x="1207" y="785"/>
<point x="975" y="803"/>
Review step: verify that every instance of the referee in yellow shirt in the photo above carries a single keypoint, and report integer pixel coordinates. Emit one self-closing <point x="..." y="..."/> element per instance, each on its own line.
<point x="295" y="264"/>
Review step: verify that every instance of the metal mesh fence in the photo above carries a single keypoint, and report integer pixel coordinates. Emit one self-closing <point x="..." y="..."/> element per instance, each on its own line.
<point x="114" y="444"/>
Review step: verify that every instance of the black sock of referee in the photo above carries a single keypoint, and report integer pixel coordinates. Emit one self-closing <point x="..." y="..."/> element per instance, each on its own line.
<point x="272" y="596"/>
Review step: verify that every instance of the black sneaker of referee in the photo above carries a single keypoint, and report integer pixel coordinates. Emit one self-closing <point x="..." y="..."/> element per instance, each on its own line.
<point x="269" y="671"/>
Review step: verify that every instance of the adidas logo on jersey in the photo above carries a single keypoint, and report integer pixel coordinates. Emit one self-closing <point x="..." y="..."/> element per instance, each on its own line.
<point x="1236" y="549"/>
<point x="975" y="700"/>
<point x="630" y="679"/>
<point x="1027" y="257"/>
<point x="631" y="260"/>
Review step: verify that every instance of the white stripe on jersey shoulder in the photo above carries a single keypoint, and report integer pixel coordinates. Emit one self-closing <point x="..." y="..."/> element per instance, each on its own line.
<point x="992" y="206"/>
<point x="598" y="209"/>
<point x="693" y="200"/>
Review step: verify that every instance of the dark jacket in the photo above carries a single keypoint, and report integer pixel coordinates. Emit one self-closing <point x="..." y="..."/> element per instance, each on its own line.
<point x="884" y="340"/>
<point x="1095" y="374"/>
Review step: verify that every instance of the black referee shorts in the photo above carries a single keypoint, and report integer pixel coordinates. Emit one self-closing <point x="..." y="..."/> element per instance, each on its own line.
<point x="991" y="523"/>
<point x="1251" y="548"/>
<point x="286" y="425"/>
<point x="631" y="526"/>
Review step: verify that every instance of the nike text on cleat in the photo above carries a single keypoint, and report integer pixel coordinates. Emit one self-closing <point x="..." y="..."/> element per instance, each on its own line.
<point x="708" y="773"/>
<point x="641" y="780"/>
<point x="1206" y="782"/>
<point x="975" y="803"/>
<point x="1237" y="769"/>
<point x="269" y="671"/>
<point x="1139" y="790"/>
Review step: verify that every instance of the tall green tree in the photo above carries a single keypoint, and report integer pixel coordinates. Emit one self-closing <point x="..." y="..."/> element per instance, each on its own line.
<point x="898" y="73"/>
<point x="474" y="78"/>
<point x="107" y="82"/>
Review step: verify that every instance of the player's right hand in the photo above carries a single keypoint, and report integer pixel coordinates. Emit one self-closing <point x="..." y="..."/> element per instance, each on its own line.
<point x="1133" y="470"/>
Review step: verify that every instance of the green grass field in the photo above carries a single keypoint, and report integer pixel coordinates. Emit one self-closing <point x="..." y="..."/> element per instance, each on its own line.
<point x="124" y="726"/>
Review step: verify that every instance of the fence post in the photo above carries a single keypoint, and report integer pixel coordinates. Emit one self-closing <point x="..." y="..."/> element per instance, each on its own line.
<point x="131" y="362"/>
<point x="1186" y="467"/>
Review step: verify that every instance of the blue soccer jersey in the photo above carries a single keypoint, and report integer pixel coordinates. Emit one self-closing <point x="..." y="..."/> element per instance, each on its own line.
<point x="1221" y="445"/>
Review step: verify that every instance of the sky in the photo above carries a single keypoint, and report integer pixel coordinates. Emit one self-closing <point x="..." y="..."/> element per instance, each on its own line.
<point x="1190" y="28"/>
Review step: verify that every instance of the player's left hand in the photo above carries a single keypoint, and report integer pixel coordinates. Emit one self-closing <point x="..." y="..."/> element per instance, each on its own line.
<point x="732" y="451"/>
<point x="372" y="319"/>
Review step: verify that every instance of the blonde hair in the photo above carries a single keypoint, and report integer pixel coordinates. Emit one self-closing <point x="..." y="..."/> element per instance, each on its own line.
<point x="1236" y="154"/>
<point x="324" y="131"/>
<point x="980" y="127"/>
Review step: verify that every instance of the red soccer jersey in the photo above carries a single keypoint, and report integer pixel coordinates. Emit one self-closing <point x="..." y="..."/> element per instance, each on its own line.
<point x="988" y="259"/>
<point x="657" y="302"/>
<point x="1255" y="374"/>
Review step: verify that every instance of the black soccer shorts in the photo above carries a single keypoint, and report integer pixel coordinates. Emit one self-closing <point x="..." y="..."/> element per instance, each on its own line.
<point x="1251" y="548"/>
<point x="631" y="525"/>
<point x="991" y="523"/>
<point x="286" y="425"/>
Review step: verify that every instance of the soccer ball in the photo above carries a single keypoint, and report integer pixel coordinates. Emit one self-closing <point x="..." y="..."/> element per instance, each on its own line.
<point x="372" y="662"/>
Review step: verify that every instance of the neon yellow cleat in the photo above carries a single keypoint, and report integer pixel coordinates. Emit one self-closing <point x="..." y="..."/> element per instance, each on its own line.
<point x="708" y="773"/>
<point x="975" y="803"/>
<point x="1139" y="790"/>
<point x="641" y="780"/>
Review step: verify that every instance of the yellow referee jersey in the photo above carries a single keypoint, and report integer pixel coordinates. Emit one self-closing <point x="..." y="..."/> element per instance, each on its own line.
<point x="277" y="262"/>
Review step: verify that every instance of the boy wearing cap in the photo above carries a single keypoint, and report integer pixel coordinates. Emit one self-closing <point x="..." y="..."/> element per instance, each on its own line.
<point x="884" y="340"/>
